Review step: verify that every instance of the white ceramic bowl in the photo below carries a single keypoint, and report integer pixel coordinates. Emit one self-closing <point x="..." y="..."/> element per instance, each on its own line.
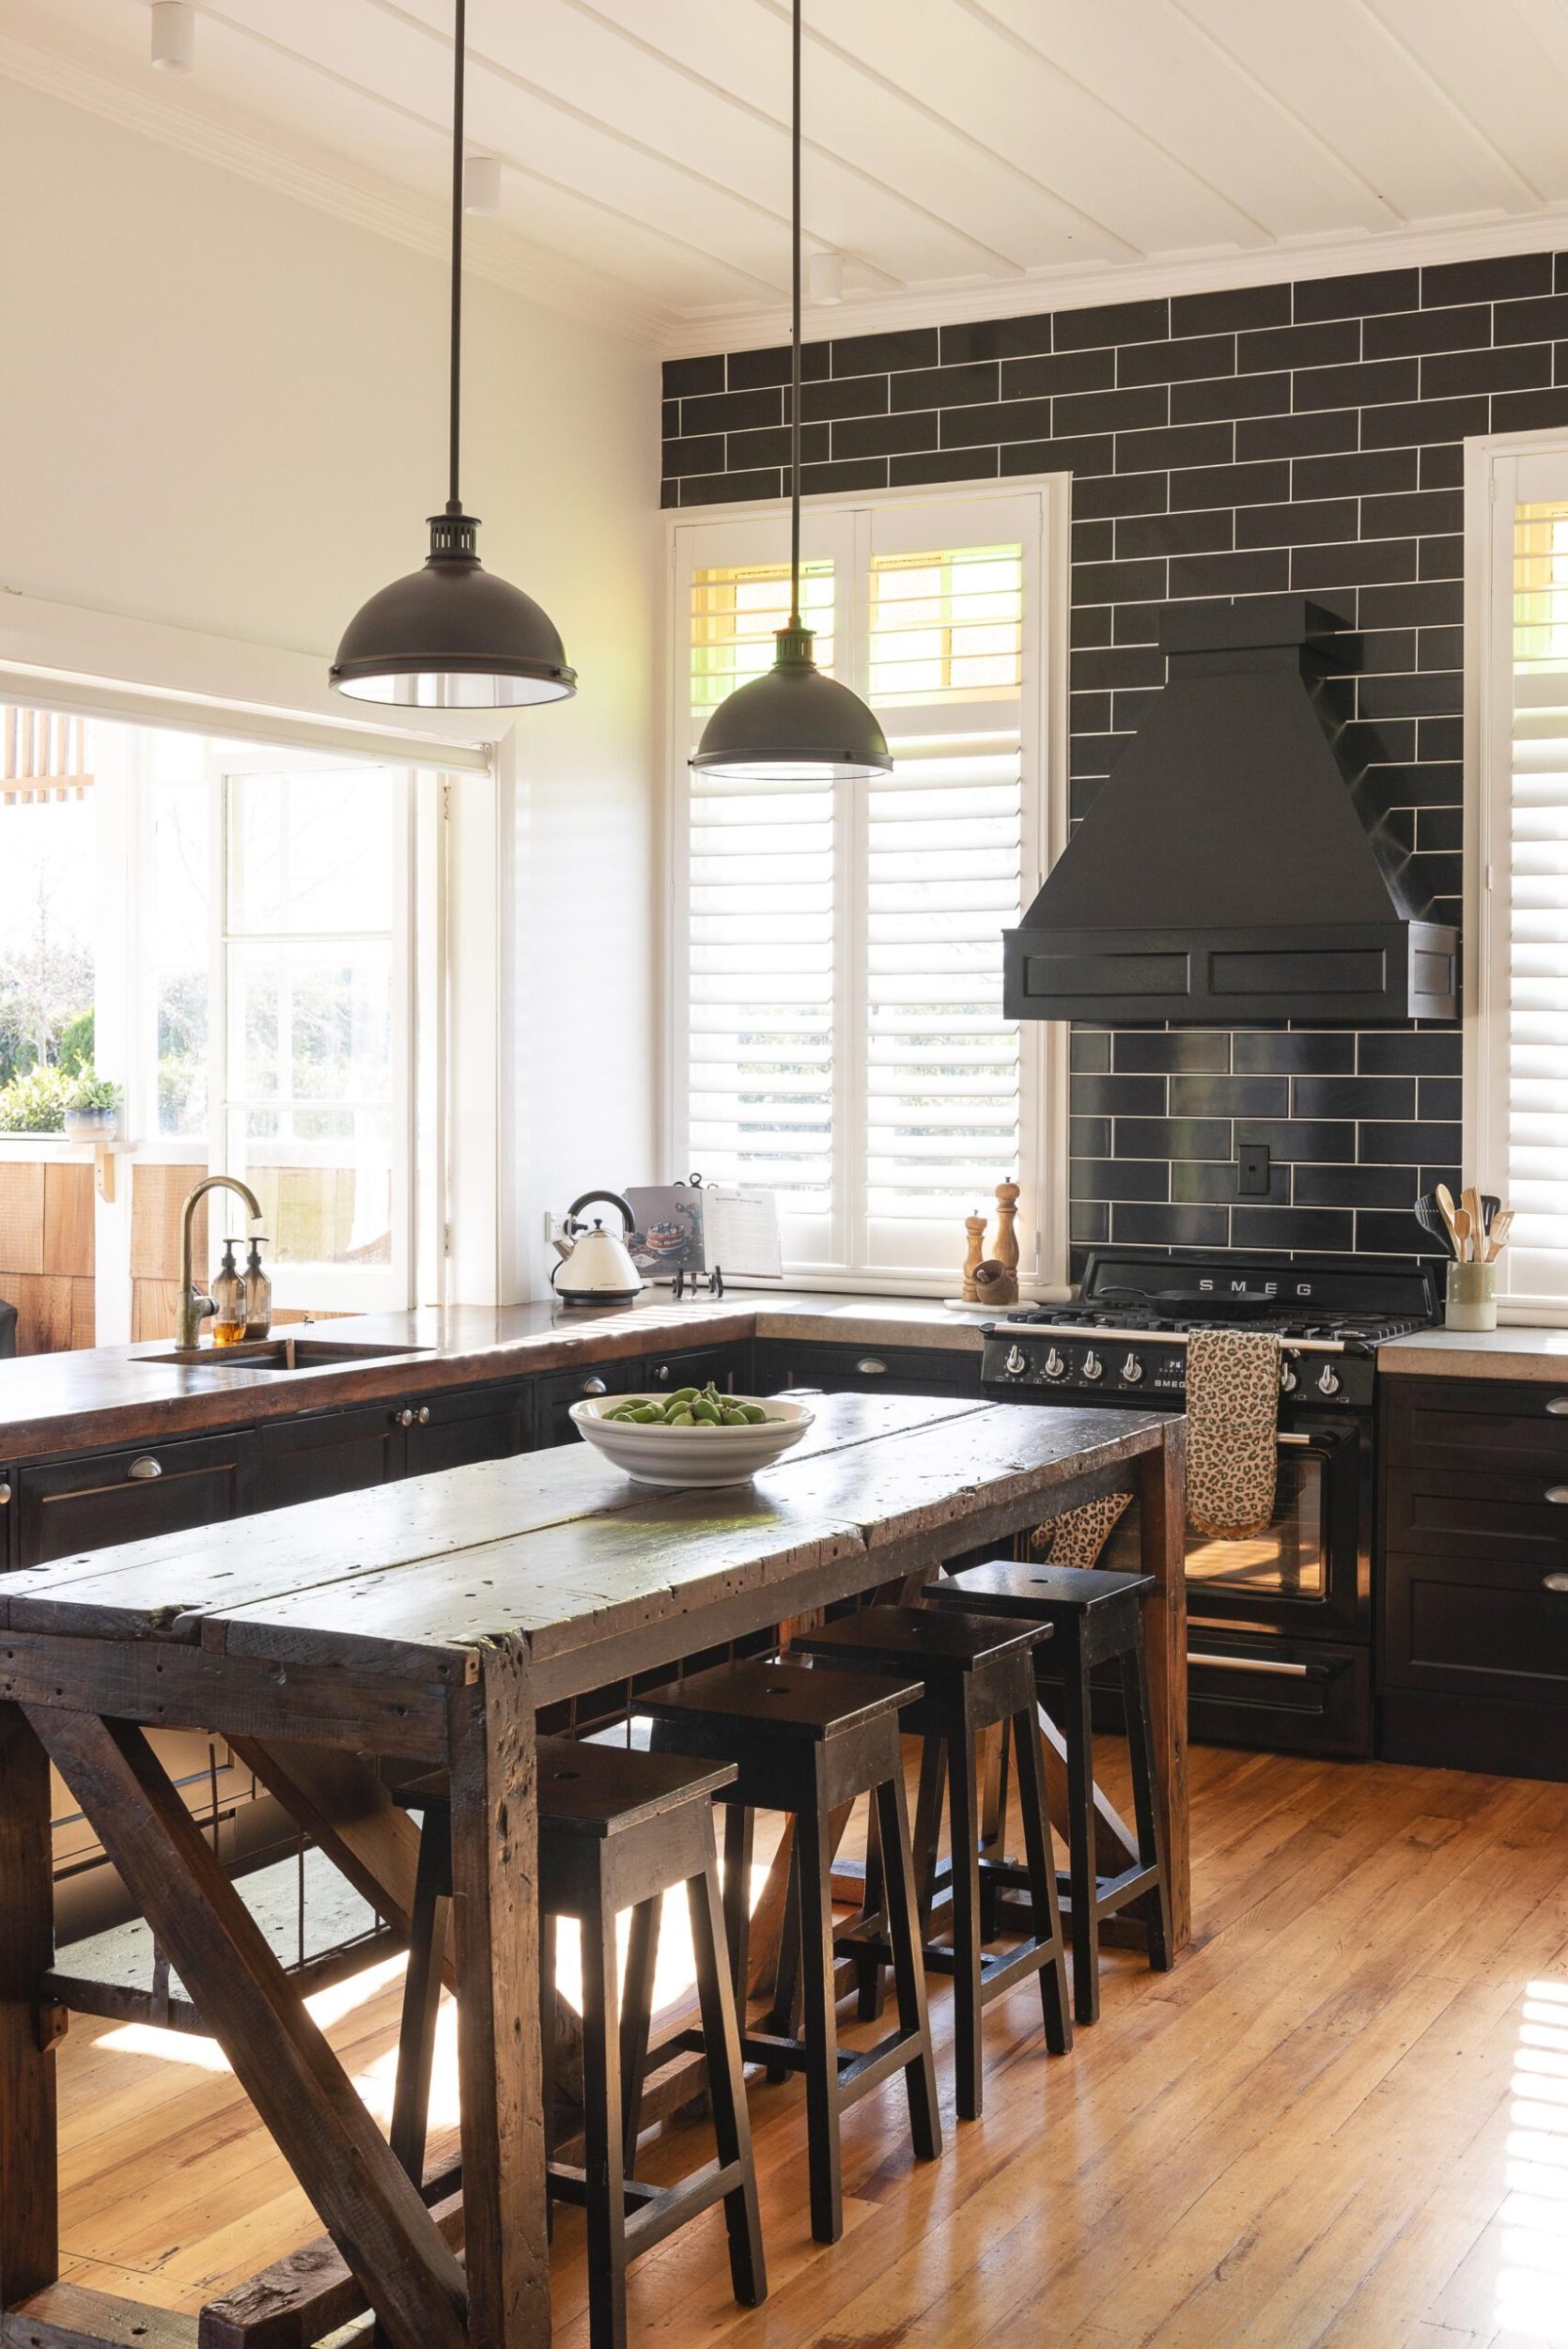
<point x="691" y="1455"/>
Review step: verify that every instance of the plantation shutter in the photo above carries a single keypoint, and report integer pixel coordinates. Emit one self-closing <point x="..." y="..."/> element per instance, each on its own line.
<point x="1537" y="908"/>
<point x="943" y="879"/>
<point x="837" y="990"/>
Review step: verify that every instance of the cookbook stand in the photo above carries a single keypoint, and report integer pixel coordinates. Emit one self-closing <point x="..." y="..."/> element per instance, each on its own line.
<point x="689" y="1281"/>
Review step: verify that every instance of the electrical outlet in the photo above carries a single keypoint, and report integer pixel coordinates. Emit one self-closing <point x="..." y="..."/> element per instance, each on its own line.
<point x="1252" y="1170"/>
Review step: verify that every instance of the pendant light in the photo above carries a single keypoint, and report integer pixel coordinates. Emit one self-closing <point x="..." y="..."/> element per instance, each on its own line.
<point x="794" y="724"/>
<point x="452" y="636"/>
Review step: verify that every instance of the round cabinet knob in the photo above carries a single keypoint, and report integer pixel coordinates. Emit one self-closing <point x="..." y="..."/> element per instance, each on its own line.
<point x="1093" y="1367"/>
<point x="1287" y="1376"/>
<point x="1327" y="1379"/>
<point x="1132" y="1371"/>
<point x="1056" y="1367"/>
<point x="661" y="1375"/>
<point x="869" y="1367"/>
<point x="1016" y="1362"/>
<point x="424" y="1415"/>
<point x="144" y="1470"/>
<point x="402" y="1419"/>
<point x="4" y="1495"/>
<point x="594" y="1386"/>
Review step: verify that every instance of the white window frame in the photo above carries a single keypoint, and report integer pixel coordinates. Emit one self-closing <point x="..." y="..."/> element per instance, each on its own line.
<point x="1044" y="1056"/>
<point x="1497" y="478"/>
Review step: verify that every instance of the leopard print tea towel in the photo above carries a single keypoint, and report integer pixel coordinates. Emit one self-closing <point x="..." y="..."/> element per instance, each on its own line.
<point x="1233" y="1418"/>
<point x="1077" y="1537"/>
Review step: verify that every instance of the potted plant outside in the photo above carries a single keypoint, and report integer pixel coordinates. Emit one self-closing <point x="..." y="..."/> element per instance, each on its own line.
<point x="92" y="1108"/>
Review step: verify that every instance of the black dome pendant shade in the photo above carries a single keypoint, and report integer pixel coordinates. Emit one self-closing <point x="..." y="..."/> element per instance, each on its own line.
<point x="452" y="636"/>
<point x="794" y="724"/>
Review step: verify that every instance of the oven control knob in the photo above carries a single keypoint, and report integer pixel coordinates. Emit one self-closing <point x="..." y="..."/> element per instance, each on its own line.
<point x="1055" y="1365"/>
<point x="1016" y="1362"/>
<point x="1132" y="1371"/>
<point x="1287" y="1375"/>
<point x="1092" y="1365"/>
<point x="1327" y="1379"/>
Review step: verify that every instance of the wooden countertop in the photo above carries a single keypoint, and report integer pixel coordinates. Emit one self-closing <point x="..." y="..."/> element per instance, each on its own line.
<point x="1520" y="1351"/>
<point x="106" y="1396"/>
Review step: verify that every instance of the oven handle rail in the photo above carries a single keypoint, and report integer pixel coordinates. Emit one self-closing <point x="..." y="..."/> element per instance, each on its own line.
<point x="1143" y="1337"/>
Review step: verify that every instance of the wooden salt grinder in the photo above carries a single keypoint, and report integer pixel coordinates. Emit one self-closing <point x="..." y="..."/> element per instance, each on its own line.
<point x="975" y="1226"/>
<point x="1006" y="1249"/>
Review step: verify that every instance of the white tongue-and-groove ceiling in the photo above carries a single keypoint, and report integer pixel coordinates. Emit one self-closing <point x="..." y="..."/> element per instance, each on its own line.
<point x="965" y="157"/>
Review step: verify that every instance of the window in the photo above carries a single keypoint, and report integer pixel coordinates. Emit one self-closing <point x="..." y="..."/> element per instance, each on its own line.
<point x="836" y="982"/>
<point x="1517" y="1062"/>
<point x="274" y="980"/>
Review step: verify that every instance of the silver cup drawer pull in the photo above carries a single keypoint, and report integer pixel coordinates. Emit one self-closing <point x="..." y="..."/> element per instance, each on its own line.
<point x="1558" y="1406"/>
<point x="869" y="1367"/>
<point x="145" y="1469"/>
<point x="1558" y="1493"/>
<point x="1553" y="1581"/>
<point x="594" y="1386"/>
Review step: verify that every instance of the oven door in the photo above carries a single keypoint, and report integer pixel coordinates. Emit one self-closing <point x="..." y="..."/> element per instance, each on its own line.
<point x="1304" y="1571"/>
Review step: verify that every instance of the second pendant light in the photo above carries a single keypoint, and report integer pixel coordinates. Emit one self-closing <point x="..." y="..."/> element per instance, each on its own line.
<point x="794" y="724"/>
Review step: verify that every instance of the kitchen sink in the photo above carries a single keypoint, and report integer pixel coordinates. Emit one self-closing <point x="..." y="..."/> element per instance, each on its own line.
<point x="287" y="1353"/>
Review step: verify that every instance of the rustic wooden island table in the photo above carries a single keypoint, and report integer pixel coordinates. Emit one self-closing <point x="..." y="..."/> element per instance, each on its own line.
<point x="426" y="1625"/>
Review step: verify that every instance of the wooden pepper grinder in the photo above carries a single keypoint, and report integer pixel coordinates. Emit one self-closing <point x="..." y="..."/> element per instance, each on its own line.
<point x="1007" y="1250"/>
<point x="975" y="1226"/>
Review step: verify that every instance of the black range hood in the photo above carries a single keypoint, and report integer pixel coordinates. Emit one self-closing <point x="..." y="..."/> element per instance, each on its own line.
<point x="1223" y="874"/>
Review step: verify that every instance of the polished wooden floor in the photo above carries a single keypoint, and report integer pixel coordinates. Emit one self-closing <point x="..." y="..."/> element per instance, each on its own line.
<point x="1343" y="2120"/>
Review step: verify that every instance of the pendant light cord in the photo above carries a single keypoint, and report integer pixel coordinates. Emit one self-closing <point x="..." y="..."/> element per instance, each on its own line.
<point x="454" y="502"/>
<point x="795" y="338"/>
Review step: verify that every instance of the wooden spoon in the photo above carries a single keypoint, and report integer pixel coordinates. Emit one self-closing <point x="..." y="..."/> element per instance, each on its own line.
<point x="1462" y="1232"/>
<point x="1445" y="1202"/>
<point x="1498" y="1234"/>
<point x="1470" y="1199"/>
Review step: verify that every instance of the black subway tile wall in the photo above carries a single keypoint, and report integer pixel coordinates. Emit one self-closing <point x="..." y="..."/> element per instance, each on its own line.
<point x="1303" y="437"/>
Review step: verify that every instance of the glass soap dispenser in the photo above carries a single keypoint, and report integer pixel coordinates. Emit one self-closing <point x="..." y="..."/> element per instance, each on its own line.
<point x="258" y="1293"/>
<point x="228" y="1299"/>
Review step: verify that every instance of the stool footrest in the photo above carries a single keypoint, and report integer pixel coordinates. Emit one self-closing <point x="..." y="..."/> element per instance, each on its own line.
<point x="652" y="2212"/>
<point x="1111" y="1893"/>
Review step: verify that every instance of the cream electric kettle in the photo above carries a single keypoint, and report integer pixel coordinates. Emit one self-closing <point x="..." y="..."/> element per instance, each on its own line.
<point x="599" y="1270"/>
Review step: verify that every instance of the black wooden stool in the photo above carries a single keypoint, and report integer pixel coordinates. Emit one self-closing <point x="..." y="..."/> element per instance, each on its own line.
<point x="975" y="1673"/>
<point x="1096" y="1617"/>
<point x="617" y="1831"/>
<point x="809" y="1743"/>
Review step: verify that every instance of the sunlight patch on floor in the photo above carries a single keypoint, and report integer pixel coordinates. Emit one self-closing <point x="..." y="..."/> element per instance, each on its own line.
<point x="1532" y="2284"/>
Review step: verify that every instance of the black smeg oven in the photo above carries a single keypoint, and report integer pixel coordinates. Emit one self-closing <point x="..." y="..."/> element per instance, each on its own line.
<point x="1280" y="1622"/>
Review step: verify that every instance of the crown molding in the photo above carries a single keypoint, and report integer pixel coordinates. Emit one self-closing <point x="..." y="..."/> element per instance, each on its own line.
<point x="290" y="168"/>
<point x="1132" y="281"/>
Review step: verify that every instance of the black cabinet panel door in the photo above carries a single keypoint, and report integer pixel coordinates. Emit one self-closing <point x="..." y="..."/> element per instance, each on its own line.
<point x="1496" y="1429"/>
<point x="67" y="1506"/>
<point x="728" y="1366"/>
<point x="465" y="1425"/>
<point x="329" y="1452"/>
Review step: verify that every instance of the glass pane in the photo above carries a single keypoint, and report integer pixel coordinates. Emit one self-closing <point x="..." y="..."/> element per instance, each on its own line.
<point x="324" y="1181"/>
<point x="310" y="851"/>
<point x="736" y="613"/>
<point x="1286" y="1559"/>
<point x="310" y="1025"/>
<point x="946" y="627"/>
<point x="47" y="910"/>
<point x="175" y="943"/>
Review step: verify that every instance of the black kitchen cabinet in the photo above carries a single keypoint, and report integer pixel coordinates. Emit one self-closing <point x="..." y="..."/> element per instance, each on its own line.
<point x="329" y="1452"/>
<point x="555" y="1393"/>
<point x="1473" y="1608"/>
<point x="728" y="1366"/>
<point x="376" y="1443"/>
<point x="461" y="1425"/>
<point x="63" y="1506"/>
<point x="934" y="1370"/>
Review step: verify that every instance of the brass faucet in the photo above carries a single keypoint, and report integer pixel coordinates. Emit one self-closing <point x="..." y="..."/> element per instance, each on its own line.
<point x="193" y="1306"/>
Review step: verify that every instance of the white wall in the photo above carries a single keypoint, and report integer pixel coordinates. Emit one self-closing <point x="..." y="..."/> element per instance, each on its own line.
<point x="224" y="410"/>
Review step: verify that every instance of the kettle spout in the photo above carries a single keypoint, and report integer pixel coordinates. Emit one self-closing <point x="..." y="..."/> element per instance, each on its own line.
<point x="563" y="1247"/>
